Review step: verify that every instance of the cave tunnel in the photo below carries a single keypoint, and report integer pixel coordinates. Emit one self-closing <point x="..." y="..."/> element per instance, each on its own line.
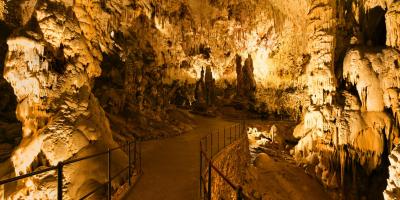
<point x="189" y="99"/>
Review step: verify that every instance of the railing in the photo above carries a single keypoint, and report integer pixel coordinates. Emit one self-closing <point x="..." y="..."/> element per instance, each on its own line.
<point x="133" y="148"/>
<point x="210" y="146"/>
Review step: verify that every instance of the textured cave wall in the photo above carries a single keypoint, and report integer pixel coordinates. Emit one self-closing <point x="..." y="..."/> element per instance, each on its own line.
<point x="10" y="128"/>
<point x="160" y="55"/>
<point x="392" y="25"/>
<point x="392" y="190"/>
<point x="51" y="62"/>
<point x="351" y="123"/>
<point x="133" y="87"/>
<point x="134" y="55"/>
<point x="263" y="30"/>
<point x="319" y="116"/>
<point x="319" y="61"/>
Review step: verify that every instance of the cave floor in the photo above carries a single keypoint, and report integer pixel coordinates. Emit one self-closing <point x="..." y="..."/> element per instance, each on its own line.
<point x="274" y="175"/>
<point x="171" y="165"/>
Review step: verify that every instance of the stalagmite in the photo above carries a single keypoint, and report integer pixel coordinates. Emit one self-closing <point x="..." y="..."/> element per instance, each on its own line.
<point x="239" y="75"/>
<point x="82" y="76"/>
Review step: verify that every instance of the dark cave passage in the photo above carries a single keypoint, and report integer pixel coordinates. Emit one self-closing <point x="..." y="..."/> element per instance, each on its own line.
<point x="376" y="27"/>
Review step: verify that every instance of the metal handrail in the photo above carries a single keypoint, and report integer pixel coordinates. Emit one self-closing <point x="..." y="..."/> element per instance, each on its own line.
<point x="2" y="182"/>
<point x="224" y="177"/>
<point x="207" y="171"/>
<point x="137" y="164"/>
<point x="95" y="155"/>
<point x="93" y="191"/>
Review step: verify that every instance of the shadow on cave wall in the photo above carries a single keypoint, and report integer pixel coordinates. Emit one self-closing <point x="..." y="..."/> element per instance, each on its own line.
<point x="10" y="128"/>
<point x="375" y="27"/>
<point x="8" y="99"/>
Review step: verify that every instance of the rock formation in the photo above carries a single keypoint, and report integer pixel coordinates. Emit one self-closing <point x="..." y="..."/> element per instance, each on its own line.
<point x="204" y="92"/>
<point x="239" y="76"/>
<point x="200" y="91"/>
<point x="392" y="190"/>
<point x="245" y="82"/>
<point x="249" y="84"/>
<point x="346" y="130"/>
<point x="61" y="117"/>
<point x="209" y="82"/>
<point x="88" y="75"/>
<point x="51" y="64"/>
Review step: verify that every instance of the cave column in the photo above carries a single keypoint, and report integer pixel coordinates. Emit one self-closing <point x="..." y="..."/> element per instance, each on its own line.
<point x="321" y="44"/>
<point x="392" y="19"/>
<point x="321" y="82"/>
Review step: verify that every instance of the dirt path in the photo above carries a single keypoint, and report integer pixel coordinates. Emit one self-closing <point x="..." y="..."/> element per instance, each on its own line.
<point x="171" y="166"/>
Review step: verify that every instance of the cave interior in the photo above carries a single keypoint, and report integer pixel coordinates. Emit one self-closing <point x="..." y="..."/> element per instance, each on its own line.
<point x="310" y="87"/>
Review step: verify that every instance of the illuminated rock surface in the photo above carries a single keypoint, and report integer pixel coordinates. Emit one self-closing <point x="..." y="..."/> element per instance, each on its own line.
<point x="392" y="191"/>
<point x="83" y="76"/>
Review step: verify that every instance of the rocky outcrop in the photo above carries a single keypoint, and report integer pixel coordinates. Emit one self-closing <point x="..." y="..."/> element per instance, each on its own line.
<point x="393" y="25"/>
<point x="51" y="65"/>
<point x="392" y="190"/>
<point x="358" y="130"/>
<point x="321" y="44"/>
<point x="347" y="131"/>
<point x="2" y="10"/>
<point x="320" y="79"/>
<point x="61" y="118"/>
<point x="391" y="98"/>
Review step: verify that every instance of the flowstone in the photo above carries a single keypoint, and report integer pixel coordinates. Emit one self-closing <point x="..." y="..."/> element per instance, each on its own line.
<point x="51" y="75"/>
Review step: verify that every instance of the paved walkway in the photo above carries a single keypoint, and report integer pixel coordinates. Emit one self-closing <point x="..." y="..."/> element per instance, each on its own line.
<point x="171" y="166"/>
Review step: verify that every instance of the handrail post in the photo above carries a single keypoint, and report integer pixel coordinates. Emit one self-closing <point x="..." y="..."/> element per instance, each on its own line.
<point x="140" y="157"/>
<point x="237" y="133"/>
<point x="218" y="141"/>
<point x="134" y="154"/>
<point x="239" y="194"/>
<point x="209" y="180"/>
<point x="211" y="145"/>
<point x="201" y="167"/>
<point x="244" y="127"/>
<point x="59" y="180"/>
<point x="240" y="130"/>
<point x="129" y="163"/>
<point x="224" y="138"/>
<point x="243" y="130"/>
<point x="230" y="135"/>
<point x="109" y="174"/>
<point x="206" y="144"/>
<point x="241" y="126"/>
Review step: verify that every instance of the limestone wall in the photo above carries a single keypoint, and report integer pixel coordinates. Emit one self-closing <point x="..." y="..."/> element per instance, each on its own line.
<point x="233" y="162"/>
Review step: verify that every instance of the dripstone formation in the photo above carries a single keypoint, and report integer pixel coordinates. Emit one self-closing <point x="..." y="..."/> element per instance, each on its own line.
<point x="78" y="77"/>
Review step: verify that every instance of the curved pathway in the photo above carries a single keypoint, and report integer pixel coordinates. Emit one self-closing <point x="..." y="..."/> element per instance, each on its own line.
<point x="171" y="166"/>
